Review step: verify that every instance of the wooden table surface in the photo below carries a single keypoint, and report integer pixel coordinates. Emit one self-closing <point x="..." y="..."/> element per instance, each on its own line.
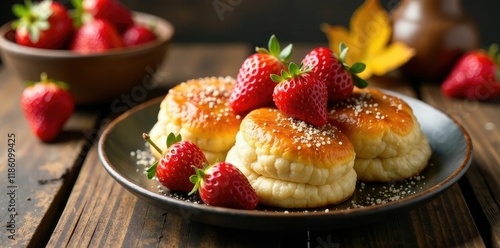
<point x="58" y="194"/>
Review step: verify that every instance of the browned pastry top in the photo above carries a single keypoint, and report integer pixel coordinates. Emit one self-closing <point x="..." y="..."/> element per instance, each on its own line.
<point x="201" y="107"/>
<point x="295" y="140"/>
<point x="372" y="113"/>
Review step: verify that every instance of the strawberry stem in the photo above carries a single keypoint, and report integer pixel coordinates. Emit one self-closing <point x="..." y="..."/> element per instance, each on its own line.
<point x="147" y="138"/>
<point x="46" y="80"/>
<point x="151" y="172"/>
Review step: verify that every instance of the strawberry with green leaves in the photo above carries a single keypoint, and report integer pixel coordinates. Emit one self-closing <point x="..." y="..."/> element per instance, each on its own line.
<point x="340" y="78"/>
<point x="253" y="87"/>
<point x="301" y="95"/>
<point x="45" y="24"/>
<point x="476" y="75"/>
<point x="177" y="163"/>
<point x="47" y="105"/>
<point x="224" y="185"/>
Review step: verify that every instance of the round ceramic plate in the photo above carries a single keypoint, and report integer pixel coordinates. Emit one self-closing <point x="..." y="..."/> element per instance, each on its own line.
<point x="451" y="146"/>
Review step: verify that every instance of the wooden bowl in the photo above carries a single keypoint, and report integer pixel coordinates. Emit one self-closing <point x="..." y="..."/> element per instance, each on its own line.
<point x="93" y="78"/>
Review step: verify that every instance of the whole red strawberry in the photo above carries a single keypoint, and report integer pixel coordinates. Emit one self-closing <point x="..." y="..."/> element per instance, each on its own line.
<point x="338" y="76"/>
<point x="42" y="25"/>
<point x="177" y="163"/>
<point x="301" y="94"/>
<point x="47" y="105"/>
<point x="111" y="10"/>
<point x="476" y="75"/>
<point x="137" y="34"/>
<point x="96" y="36"/>
<point x="224" y="185"/>
<point x="254" y="87"/>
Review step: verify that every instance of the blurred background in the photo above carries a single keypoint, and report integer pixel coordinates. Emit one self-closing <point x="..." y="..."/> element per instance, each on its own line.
<point x="253" y="21"/>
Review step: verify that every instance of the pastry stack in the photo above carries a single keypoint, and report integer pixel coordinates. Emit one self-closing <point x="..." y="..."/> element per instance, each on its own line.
<point x="370" y="136"/>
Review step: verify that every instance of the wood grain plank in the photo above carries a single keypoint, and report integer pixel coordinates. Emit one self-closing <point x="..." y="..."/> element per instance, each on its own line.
<point x="482" y="122"/>
<point x="435" y="224"/>
<point x="44" y="172"/>
<point x="139" y="224"/>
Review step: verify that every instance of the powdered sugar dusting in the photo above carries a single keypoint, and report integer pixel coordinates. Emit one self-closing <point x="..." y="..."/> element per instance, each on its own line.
<point x="307" y="135"/>
<point x="213" y="96"/>
<point x="365" y="103"/>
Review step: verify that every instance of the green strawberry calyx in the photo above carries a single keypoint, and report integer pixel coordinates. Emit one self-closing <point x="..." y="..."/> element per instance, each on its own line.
<point x="274" y="49"/>
<point x="171" y="139"/>
<point x="79" y="15"/>
<point x="494" y="54"/>
<point x="354" y="69"/>
<point x="32" y="18"/>
<point x="44" y="79"/>
<point x="197" y="178"/>
<point x="294" y="70"/>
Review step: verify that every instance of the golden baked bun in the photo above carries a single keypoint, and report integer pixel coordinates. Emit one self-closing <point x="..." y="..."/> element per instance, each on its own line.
<point x="292" y="164"/>
<point x="385" y="133"/>
<point x="198" y="109"/>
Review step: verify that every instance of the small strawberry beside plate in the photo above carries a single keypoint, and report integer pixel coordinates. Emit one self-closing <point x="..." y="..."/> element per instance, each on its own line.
<point x="476" y="75"/>
<point x="47" y="105"/>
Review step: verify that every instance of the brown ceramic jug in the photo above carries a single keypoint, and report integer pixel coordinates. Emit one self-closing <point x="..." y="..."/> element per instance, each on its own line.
<point x="439" y="31"/>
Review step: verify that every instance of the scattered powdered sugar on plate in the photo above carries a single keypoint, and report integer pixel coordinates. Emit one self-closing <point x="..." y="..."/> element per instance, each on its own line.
<point x="144" y="158"/>
<point x="366" y="194"/>
<point x="387" y="192"/>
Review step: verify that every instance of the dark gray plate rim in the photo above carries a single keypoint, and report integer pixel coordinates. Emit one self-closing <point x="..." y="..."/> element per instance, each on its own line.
<point x="452" y="155"/>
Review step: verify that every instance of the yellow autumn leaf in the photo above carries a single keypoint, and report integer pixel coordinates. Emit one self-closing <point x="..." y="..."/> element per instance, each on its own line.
<point x="368" y="40"/>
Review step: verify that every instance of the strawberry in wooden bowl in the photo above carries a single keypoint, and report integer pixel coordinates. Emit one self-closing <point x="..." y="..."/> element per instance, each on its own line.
<point x="96" y="60"/>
